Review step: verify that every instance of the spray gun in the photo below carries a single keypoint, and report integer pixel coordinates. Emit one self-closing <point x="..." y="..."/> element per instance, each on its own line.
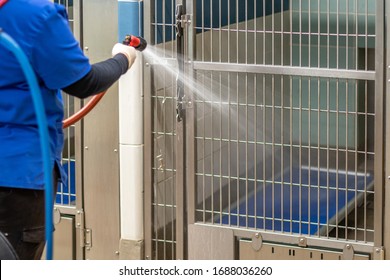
<point x="137" y="42"/>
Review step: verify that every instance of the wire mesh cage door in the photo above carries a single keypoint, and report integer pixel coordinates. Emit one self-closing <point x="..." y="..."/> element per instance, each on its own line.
<point x="164" y="132"/>
<point x="284" y="122"/>
<point x="288" y="120"/>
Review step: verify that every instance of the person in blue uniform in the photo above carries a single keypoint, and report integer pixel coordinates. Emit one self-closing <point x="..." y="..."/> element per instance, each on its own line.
<point x="41" y="29"/>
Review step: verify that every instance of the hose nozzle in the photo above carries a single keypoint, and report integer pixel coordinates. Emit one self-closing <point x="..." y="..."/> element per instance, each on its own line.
<point x="137" y="42"/>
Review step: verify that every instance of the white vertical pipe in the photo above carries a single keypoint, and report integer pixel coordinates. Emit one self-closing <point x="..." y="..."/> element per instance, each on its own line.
<point x="131" y="151"/>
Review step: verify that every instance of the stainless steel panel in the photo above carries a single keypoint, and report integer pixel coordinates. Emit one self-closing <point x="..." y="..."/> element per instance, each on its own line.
<point x="216" y="243"/>
<point x="65" y="239"/>
<point x="101" y="127"/>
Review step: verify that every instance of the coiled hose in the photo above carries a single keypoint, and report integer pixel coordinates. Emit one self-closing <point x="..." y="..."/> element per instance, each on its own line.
<point x="12" y="46"/>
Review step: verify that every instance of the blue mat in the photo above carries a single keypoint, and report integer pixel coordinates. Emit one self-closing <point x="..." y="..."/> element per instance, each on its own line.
<point x="298" y="206"/>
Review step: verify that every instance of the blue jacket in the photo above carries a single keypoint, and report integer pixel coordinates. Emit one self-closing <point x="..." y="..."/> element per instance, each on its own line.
<point x="41" y="30"/>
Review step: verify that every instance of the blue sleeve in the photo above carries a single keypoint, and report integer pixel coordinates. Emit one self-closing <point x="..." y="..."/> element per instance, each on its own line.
<point x="56" y="56"/>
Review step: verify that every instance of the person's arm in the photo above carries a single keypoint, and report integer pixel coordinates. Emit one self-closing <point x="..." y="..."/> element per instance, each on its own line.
<point x="100" y="78"/>
<point x="59" y="62"/>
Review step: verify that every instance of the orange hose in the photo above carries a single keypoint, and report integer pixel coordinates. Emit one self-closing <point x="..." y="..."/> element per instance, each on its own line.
<point x="83" y="111"/>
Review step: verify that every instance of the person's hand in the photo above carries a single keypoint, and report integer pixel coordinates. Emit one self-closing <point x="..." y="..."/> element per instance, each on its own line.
<point x="128" y="51"/>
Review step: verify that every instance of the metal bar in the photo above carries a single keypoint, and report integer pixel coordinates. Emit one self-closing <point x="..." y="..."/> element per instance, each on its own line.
<point x="300" y="149"/>
<point x="220" y="35"/>
<point x="291" y="119"/>
<point x="191" y="118"/>
<point x="357" y="37"/>
<point x="319" y="129"/>
<point x="163" y="203"/>
<point x="203" y="32"/>
<point x="282" y="150"/>
<point x="309" y="150"/>
<point x="328" y="34"/>
<point x="273" y="149"/>
<point x="319" y="36"/>
<point x="282" y="32"/>
<point x="211" y="43"/>
<point x="273" y="118"/>
<point x="148" y="140"/>
<point x="337" y="158"/>
<point x="255" y="146"/>
<point x="386" y="209"/>
<point x="346" y="164"/>
<point x="300" y="33"/>
<point x="347" y="39"/>
<point x="327" y="155"/>
<point x="379" y="124"/>
<point x="264" y="176"/>
<point x="255" y="176"/>
<point x="264" y="33"/>
<point x="204" y="158"/>
<point x="179" y="152"/>
<point x="229" y="148"/>
<point x="363" y="85"/>
<point x="337" y="34"/>
<point x="79" y="127"/>
<point x="212" y="143"/>
<point x="355" y="92"/>
<point x="220" y="146"/>
<point x="238" y="118"/>
<point x="366" y="36"/>
<point x="286" y="70"/>
<point x="229" y="31"/>
<point x="273" y="33"/>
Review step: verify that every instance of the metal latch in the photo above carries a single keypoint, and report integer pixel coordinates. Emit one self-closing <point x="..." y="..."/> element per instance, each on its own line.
<point x="179" y="78"/>
<point x="178" y="15"/>
<point x="181" y="20"/>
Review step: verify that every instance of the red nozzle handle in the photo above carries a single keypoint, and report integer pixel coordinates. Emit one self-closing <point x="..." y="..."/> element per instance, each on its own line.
<point x="137" y="42"/>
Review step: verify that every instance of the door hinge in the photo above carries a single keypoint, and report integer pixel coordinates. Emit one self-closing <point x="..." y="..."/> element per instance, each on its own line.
<point x="85" y="234"/>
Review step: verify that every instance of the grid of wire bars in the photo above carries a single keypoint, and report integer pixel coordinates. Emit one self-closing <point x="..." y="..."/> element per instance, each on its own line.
<point x="285" y="110"/>
<point x="66" y="193"/>
<point x="163" y="64"/>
